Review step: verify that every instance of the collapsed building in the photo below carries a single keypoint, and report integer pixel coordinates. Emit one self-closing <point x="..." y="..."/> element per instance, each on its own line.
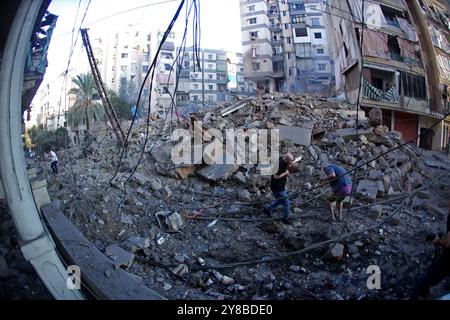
<point x="398" y="65"/>
<point x="198" y="231"/>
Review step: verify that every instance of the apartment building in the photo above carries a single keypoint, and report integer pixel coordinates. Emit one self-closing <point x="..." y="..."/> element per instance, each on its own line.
<point x="286" y="47"/>
<point x="393" y="65"/>
<point x="125" y="58"/>
<point x="216" y="76"/>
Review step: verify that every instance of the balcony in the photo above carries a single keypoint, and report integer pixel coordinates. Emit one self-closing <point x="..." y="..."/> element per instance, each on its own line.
<point x="372" y="93"/>
<point x="275" y="28"/>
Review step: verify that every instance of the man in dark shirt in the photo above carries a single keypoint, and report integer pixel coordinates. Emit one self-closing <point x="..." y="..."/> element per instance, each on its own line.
<point x="439" y="269"/>
<point x="341" y="186"/>
<point x="278" y="187"/>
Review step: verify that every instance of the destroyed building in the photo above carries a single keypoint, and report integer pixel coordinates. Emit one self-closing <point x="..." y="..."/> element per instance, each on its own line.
<point x="397" y="59"/>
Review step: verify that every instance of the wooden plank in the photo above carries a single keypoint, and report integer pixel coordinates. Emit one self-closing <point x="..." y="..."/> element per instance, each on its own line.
<point x="97" y="271"/>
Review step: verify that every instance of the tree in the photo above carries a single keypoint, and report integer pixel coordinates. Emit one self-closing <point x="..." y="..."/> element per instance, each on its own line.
<point x="85" y="108"/>
<point x="120" y="105"/>
<point x="43" y="139"/>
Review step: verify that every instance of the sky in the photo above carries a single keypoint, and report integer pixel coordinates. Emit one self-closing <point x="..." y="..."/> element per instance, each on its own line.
<point x="220" y="29"/>
<point x="220" y="25"/>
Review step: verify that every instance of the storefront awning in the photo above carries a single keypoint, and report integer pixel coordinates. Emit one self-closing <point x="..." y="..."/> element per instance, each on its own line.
<point x="378" y="67"/>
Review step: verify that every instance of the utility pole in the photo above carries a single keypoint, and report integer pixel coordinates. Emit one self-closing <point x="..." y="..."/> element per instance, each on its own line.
<point x="101" y="89"/>
<point x="428" y="55"/>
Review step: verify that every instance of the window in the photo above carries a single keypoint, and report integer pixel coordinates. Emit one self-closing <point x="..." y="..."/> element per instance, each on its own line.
<point x="210" y="56"/>
<point x="303" y="50"/>
<point x="297" y="6"/>
<point x="124" y="55"/>
<point x="167" y="67"/>
<point x="210" y="87"/>
<point x="250" y="8"/>
<point x="165" y="90"/>
<point x="413" y="86"/>
<point x="123" y="68"/>
<point x="288" y="40"/>
<point x="146" y="57"/>
<point x="320" y="51"/>
<point x="254" y="35"/>
<point x="284" y="13"/>
<point x="210" y="76"/>
<point x="312" y="8"/>
<point x="298" y="19"/>
<point x="255" y="66"/>
<point x="144" y="69"/>
<point x="301" y="32"/>
<point x="286" y="26"/>
<point x="318" y="35"/>
<point x="254" y="52"/>
<point x="315" y="21"/>
<point x="322" y="67"/>
<point x="195" y="86"/>
<point x="252" y="21"/>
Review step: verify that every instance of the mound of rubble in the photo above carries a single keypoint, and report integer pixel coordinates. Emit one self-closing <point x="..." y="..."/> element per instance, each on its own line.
<point x="198" y="232"/>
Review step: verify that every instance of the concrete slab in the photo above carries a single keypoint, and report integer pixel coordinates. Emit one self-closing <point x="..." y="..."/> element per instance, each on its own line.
<point x="97" y="271"/>
<point x="298" y="135"/>
<point x="218" y="171"/>
<point x="350" y="133"/>
<point x="119" y="256"/>
<point x="367" y="190"/>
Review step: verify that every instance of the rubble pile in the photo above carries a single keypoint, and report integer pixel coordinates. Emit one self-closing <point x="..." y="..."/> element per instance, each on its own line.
<point x="192" y="231"/>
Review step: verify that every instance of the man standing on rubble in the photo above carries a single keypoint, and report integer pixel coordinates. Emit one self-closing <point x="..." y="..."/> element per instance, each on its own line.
<point x="341" y="186"/>
<point x="278" y="187"/>
<point x="439" y="269"/>
<point x="54" y="158"/>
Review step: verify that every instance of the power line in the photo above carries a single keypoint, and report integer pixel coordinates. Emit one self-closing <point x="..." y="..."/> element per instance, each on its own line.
<point x="122" y="12"/>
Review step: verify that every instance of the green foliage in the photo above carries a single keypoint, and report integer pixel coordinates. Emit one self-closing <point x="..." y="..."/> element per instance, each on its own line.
<point x="120" y="105"/>
<point x="85" y="109"/>
<point x="43" y="139"/>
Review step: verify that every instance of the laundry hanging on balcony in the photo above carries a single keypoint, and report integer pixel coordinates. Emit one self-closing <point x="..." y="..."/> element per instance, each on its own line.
<point x="373" y="93"/>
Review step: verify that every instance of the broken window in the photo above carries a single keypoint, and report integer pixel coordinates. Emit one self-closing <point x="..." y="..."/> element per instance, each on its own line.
<point x="254" y="35"/>
<point x="394" y="48"/>
<point x="390" y="15"/>
<point x="301" y="32"/>
<point x="255" y="66"/>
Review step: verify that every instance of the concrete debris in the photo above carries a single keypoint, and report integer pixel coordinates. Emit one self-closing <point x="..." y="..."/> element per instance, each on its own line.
<point x="136" y="243"/>
<point x="218" y="207"/>
<point x="119" y="256"/>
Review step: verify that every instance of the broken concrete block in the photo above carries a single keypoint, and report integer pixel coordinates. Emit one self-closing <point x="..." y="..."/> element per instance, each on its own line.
<point x="245" y="195"/>
<point x="181" y="270"/>
<point x="367" y="190"/>
<point x="166" y="192"/>
<point x="309" y="171"/>
<point x="423" y="194"/>
<point x="140" y="178"/>
<point x="155" y="184"/>
<point x="352" y="249"/>
<point x="313" y="153"/>
<point x="375" y="174"/>
<point x="363" y="139"/>
<point x="240" y="176"/>
<point x="404" y="169"/>
<point x="386" y="182"/>
<point x="226" y="280"/>
<point x="375" y="117"/>
<point x="349" y="115"/>
<point x="127" y="219"/>
<point x="298" y="135"/>
<point x="381" y="190"/>
<point x="337" y="251"/>
<point x="135" y="243"/>
<point x="294" y="268"/>
<point x="351" y="134"/>
<point x="167" y="287"/>
<point x="438" y="212"/>
<point x="175" y="221"/>
<point x="119" y="256"/>
<point x="218" y="171"/>
<point x="375" y="212"/>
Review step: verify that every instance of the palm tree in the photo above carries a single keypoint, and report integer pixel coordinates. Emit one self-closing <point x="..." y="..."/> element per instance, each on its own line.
<point x="85" y="109"/>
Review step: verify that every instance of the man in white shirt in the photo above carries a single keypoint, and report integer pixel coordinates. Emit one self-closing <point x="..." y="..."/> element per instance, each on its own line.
<point x="54" y="159"/>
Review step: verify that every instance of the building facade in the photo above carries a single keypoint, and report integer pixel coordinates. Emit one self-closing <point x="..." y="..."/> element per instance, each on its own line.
<point x="220" y="77"/>
<point x="391" y="69"/>
<point x="286" y="48"/>
<point x="125" y="58"/>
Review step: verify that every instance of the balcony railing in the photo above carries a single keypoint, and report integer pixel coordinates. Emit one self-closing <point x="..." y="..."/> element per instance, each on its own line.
<point x="373" y="93"/>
